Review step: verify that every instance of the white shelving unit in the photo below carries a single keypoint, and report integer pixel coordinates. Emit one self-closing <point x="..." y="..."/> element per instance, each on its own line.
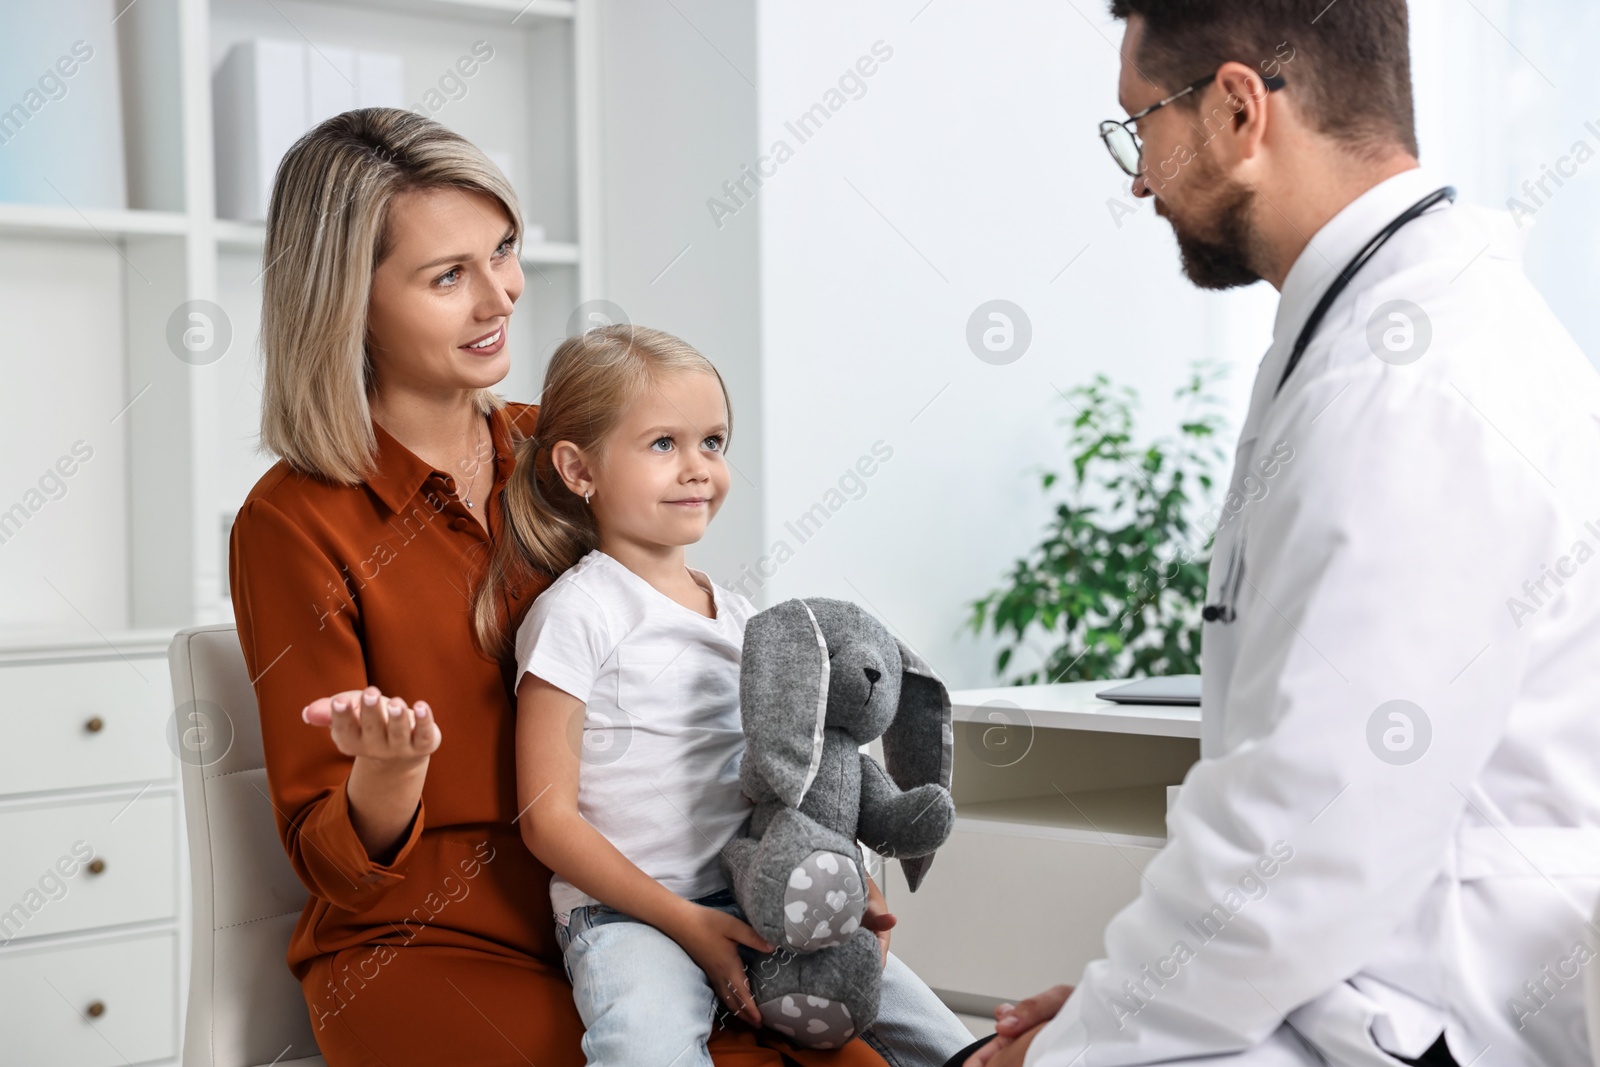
<point x="99" y="567"/>
<point x="187" y="435"/>
<point x="1061" y="800"/>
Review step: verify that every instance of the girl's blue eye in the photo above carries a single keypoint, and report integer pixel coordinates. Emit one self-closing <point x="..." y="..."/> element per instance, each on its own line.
<point x="446" y="278"/>
<point x="715" y="438"/>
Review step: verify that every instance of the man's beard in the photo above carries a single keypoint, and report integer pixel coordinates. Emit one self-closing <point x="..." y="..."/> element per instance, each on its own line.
<point x="1219" y="258"/>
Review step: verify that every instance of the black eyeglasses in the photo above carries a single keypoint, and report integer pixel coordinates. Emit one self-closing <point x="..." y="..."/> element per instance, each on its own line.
<point x="1124" y="144"/>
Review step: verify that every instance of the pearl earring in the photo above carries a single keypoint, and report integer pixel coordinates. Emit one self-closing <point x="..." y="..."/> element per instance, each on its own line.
<point x="586" y="496"/>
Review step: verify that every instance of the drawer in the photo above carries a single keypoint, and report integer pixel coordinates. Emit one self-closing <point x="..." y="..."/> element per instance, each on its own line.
<point x="103" y="1004"/>
<point x="72" y="725"/>
<point x="1007" y="912"/>
<point x="78" y="866"/>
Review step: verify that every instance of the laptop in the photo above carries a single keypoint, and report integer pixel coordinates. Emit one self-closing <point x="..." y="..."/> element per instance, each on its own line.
<point x="1173" y="689"/>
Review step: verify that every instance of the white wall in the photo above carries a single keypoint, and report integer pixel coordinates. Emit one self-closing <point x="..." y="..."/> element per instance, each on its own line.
<point x="1506" y="95"/>
<point x="969" y="170"/>
<point x="678" y="114"/>
<point x="64" y="388"/>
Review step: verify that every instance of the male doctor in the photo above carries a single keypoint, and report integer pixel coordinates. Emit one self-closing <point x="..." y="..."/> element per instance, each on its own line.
<point x="1389" y="851"/>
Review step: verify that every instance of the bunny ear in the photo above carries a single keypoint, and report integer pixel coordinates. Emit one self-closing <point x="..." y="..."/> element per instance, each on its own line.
<point x="919" y="746"/>
<point x="783" y="697"/>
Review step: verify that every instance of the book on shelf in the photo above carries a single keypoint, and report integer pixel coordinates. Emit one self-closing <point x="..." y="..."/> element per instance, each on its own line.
<point x="61" y="140"/>
<point x="267" y="93"/>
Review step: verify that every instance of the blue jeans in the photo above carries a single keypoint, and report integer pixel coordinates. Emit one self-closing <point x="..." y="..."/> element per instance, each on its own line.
<point x="645" y="1003"/>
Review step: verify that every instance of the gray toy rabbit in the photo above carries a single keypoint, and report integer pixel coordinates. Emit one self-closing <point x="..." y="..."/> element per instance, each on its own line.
<point x="820" y="678"/>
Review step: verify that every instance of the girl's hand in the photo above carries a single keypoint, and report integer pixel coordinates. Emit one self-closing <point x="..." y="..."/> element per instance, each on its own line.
<point x="879" y="919"/>
<point x="367" y="725"/>
<point x="712" y="939"/>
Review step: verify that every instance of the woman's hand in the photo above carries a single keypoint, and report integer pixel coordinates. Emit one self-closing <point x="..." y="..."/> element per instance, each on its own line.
<point x="879" y="919"/>
<point x="365" y="724"/>
<point x="712" y="939"/>
<point x="390" y="744"/>
<point x="320" y="712"/>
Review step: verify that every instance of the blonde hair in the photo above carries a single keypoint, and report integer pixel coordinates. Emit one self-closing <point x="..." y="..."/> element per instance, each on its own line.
<point x="327" y="231"/>
<point x="591" y="382"/>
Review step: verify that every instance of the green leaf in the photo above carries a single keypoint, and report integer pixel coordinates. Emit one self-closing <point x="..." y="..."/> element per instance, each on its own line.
<point x="1115" y="585"/>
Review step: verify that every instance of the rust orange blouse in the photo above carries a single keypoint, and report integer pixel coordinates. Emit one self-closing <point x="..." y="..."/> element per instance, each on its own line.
<point x="338" y="587"/>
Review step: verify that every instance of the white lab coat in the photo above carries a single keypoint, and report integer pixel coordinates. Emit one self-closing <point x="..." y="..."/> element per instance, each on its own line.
<point x="1384" y="557"/>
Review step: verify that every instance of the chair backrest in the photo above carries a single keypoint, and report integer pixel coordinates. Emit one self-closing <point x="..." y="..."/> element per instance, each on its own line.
<point x="245" y="1008"/>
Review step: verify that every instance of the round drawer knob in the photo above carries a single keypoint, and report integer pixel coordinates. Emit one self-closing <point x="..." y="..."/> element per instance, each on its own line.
<point x="97" y="866"/>
<point x="95" y="725"/>
<point x="95" y="1009"/>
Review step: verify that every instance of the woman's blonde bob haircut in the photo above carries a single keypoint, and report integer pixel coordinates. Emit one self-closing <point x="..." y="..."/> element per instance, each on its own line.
<point x="326" y="234"/>
<point x="589" y="384"/>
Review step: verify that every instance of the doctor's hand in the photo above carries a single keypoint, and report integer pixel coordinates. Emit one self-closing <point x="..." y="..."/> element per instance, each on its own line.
<point x="1004" y="1051"/>
<point x="1017" y="1025"/>
<point x="1013" y="1020"/>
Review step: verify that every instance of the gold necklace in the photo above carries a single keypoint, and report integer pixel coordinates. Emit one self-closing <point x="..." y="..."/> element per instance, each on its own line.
<point x="478" y="462"/>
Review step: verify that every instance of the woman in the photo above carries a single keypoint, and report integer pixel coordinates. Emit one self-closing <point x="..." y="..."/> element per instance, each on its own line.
<point x="392" y="275"/>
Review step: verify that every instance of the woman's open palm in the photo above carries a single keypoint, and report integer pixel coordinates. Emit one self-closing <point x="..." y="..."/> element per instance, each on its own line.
<point x="365" y="723"/>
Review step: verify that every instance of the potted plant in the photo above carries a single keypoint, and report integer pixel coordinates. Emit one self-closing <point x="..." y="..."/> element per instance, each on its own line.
<point x="1116" y="587"/>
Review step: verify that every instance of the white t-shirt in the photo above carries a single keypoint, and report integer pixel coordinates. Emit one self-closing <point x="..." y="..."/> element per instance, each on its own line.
<point x="662" y="737"/>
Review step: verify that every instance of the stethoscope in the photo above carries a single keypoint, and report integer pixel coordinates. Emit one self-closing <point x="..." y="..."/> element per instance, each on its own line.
<point x="1224" y="612"/>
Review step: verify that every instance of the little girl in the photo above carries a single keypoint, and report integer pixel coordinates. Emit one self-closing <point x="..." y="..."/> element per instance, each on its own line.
<point x="628" y="729"/>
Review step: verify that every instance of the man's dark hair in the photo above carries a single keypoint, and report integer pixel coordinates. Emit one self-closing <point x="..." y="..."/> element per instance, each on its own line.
<point x="1350" y="70"/>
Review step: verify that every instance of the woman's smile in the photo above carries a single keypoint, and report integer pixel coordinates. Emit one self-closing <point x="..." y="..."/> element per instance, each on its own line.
<point x="488" y="344"/>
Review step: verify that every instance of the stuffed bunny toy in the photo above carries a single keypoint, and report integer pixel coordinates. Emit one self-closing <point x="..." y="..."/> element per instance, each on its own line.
<point x="819" y="679"/>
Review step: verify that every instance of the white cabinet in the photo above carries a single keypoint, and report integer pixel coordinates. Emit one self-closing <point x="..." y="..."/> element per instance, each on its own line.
<point x="1060" y="803"/>
<point x="75" y="724"/>
<point x="91" y="902"/>
<point x="96" y="862"/>
<point x="103" y="1003"/>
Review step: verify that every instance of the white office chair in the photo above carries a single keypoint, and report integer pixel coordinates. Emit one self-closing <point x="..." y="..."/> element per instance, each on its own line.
<point x="245" y="1008"/>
